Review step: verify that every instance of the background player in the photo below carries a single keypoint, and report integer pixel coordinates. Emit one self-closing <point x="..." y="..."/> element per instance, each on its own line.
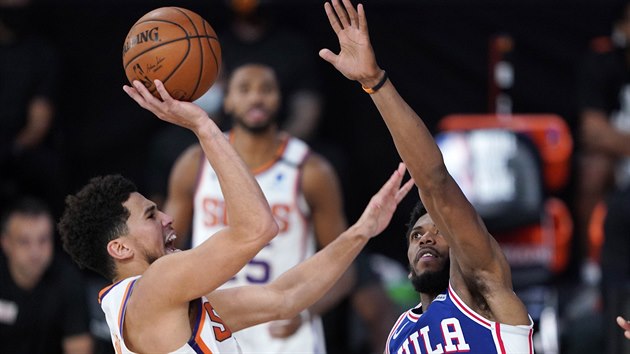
<point x="474" y="309"/>
<point x="301" y="187"/>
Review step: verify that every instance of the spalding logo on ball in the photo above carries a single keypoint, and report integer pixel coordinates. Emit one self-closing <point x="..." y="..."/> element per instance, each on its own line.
<point x="176" y="46"/>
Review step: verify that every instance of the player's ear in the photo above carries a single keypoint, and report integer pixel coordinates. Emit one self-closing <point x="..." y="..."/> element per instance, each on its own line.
<point x="118" y="249"/>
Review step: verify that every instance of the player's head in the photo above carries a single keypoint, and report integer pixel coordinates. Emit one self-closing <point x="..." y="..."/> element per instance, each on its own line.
<point x="253" y="97"/>
<point x="27" y="240"/>
<point x="108" y="222"/>
<point x="621" y="24"/>
<point x="427" y="252"/>
<point x="243" y="8"/>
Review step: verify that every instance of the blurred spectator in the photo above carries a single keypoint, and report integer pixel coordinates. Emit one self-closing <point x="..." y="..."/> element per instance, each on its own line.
<point x="42" y="297"/>
<point x="604" y="162"/>
<point x="29" y="163"/>
<point x="615" y="267"/>
<point x="604" y="127"/>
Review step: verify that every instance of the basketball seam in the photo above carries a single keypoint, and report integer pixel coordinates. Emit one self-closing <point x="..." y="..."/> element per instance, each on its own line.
<point x="163" y="44"/>
<point x="200" y="52"/>
<point x="214" y="55"/>
<point x="175" y="68"/>
<point x="189" y="38"/>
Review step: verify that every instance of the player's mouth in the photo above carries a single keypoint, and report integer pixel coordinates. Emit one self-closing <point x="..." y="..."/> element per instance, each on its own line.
<point x="169" y="244"/>
<point x="257" y="114"/>
<point x="426" y="254"/>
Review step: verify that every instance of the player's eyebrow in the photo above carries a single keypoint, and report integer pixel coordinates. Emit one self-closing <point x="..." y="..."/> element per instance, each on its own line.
<point x="150" y="209"/>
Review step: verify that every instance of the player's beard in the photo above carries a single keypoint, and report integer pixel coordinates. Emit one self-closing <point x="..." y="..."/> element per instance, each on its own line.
<point x="260" y="128"/>
<point x="435" y="282"/>
<point x="150" y="258"/>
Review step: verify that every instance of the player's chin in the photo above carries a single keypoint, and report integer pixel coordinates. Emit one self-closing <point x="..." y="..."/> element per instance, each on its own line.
<point x="429" y="265"/>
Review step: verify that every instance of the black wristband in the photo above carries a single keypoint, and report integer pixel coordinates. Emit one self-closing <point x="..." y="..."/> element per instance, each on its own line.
<point x="377" y="86"/>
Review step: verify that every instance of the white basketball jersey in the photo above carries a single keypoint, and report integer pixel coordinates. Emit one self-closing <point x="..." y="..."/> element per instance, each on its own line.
<point x="280" y="183"/>
<point x="210" y="335"/>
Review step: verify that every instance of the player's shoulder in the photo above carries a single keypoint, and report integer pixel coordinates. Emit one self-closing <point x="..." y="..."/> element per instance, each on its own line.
<point x="193" y="150"/>
<point x="311" y="162"/>
<point x="186" y="167"/>
<point x="317" y="164"/>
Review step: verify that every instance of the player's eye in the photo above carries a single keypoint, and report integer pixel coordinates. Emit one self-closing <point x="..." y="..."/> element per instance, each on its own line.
<point x="268" y="88"/>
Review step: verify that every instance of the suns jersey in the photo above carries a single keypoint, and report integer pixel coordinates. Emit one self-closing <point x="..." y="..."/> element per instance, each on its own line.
<point x="280" y="182"/>
<point x="449" y="326"/>
<point x="209" y="336"/>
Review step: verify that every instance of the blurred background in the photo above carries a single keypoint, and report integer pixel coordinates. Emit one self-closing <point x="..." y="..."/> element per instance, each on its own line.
<point x="446" y="57"/>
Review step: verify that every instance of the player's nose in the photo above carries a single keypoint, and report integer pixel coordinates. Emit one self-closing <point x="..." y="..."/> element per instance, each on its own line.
<point x="166" y="219"/>
<point x="427" y="237"/>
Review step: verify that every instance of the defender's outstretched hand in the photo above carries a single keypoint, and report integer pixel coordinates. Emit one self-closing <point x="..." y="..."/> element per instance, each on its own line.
<point x="381" y="207"/>
<point x="356" y="60"/>
<point x="185" y="114"/>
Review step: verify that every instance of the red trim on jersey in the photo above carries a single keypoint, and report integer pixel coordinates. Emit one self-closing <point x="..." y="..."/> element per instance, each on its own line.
<point x="497" y="329"/>
<point x="412" y="316"/>
<point x="460" y="304"/>
<point x="393" y="330"/>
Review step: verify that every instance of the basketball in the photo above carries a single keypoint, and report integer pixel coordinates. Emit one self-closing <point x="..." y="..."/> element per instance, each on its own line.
<point x="176" y="46"/>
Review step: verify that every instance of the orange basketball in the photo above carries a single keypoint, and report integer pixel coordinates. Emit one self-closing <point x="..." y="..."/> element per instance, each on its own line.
<point x="176" y="46"/>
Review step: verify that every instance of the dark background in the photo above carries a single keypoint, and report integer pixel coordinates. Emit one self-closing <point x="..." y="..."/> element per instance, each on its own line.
<point x="435" y="51"/>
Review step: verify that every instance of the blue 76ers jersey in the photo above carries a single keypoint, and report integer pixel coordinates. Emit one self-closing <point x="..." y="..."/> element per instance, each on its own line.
<point x="449" y="326"/>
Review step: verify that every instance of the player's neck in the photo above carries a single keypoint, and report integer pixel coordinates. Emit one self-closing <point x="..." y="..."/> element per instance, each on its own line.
<point x="128" y="270"/>
<point x="257" y="149"/>
<point x="25" y="281"/>
<point x="426" y="299"/>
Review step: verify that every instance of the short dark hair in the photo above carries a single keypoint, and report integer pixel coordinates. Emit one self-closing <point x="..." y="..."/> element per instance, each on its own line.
<point x="27" y="205"/>
<point x="93" y="217"/>
<point x="229" y="72"/>
<point x="416" y="213"/>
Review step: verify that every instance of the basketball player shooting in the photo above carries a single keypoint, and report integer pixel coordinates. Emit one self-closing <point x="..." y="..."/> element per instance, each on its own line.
<point x="464" y="281"/>
<point x="162" y="300"/>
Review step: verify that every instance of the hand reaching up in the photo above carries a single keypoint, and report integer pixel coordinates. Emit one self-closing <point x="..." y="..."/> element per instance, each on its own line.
<point x="356" y="59"/>
<point x="381" y="207"/>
